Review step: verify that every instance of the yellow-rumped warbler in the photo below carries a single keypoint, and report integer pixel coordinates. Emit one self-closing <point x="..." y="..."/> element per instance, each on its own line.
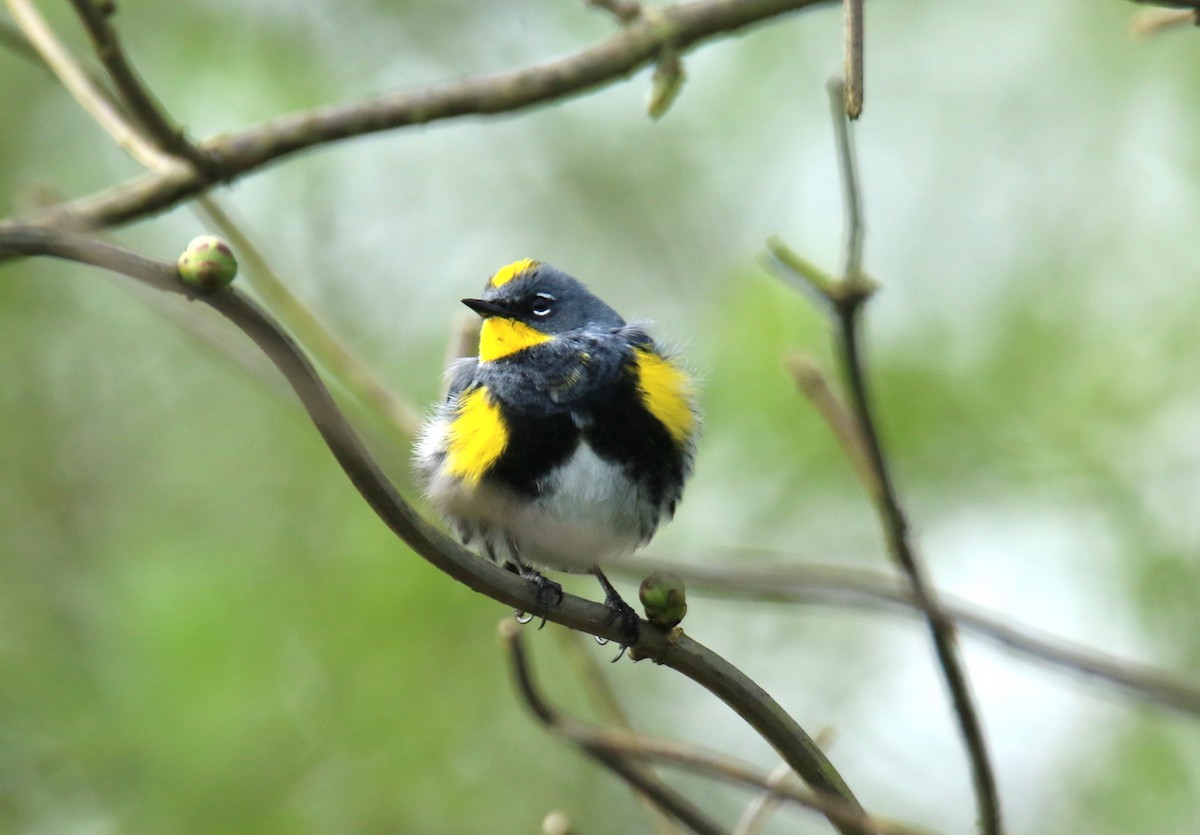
<point x="567" y="441"/>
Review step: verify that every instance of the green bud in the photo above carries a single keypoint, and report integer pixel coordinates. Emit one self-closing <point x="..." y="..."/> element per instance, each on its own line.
<point x="207" y="264"/>
<point x="665" y="84"/>
<point x="664" y="599"/>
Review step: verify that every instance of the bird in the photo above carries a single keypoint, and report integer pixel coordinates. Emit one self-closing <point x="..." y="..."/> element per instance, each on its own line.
<point x="566" y="442"/>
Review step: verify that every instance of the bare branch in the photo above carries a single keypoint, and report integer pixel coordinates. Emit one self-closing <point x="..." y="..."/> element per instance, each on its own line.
<point x="811" y="382"/>
<point x="1147" y="22"/>
<point x="846" y="297"/>
<point x="852" y="101"/>
<point x="681" y="26"/>
<point x="141" y="103"/>
<point x="854" y="228"/>
<point x="625" y="745"/>
<point x="599" y="691"/>
<point x="843" y="587"/>
<point x="91" y="98"/>
<point x="892" y="516"/>
<point x="315" y="334"/>
<point x="349" y="370"/>
<point x="804" y="273"/>
<point x="662" y="796"/>
<point x="625" y="11"/>
<point x="673" y="650"/>
<point x="760" y="810"/>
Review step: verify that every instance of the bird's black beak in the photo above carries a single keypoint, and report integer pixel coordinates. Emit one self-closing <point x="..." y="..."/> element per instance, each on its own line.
<point x="485" y="309"/>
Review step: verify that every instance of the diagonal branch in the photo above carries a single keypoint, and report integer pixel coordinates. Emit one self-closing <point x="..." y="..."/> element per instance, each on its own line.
<point x="647" y="785"/>
<point x="399" y="416"/>
<point x="682" y="26"/>
<point x="857" y="588"/>
<point x="846" y="297"/>
<point x="676" y="651"/>
<point x="600" y="692"/>
<point x="141" y="103"/>
<point x="87" y="92"/>
<point x="848" y="306"/>
<point x="620" y="749"/>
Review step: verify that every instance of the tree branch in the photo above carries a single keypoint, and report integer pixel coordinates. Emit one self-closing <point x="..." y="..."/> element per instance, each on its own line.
<point x="682" y="26"/>
<point x="846" y="297"/>
<point x="760" y="810"/>
<point x="677" y="651"/>
<point x="853" y="26"/>
<point x="622" y="745"/>
<point x="141" y="103"/>
<point x="93" y="99"/>
<point x="661" y="796"/>
<point x="400" y="416"/>
<point x="842" y="587"/>
<point x="600" y="693"/>
<point x="848" y="306"/>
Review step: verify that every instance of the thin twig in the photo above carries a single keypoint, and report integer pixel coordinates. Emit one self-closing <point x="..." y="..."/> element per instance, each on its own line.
<point x="624" y="744"/>
<point x="673" y="650"/>
<point x="1147" y="22"/>
<point x="803" y="272"/>
<point x="141" y="103"/>
<point x="598" y="689"/>
<point x="345" y="366"/>
<point x="683" y="26"/>
<point x="760" y="810"/>
<point x="852" y="101"/>
<point x="848" y="307"/>
<point x="93" y="99"/>
<point x="625" y="11"/>
<point x="647" y="785"/>
<point x="854" y="227"/>
<point x="811" y="382"/>
<point x="873" y="590"/>
<point x="358" y="379"/>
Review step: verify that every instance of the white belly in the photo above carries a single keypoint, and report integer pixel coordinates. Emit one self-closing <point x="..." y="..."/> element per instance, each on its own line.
<point x="589" y="512"/>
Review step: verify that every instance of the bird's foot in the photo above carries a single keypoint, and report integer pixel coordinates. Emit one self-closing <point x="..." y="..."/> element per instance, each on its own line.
<point x="631" y="624"/>
<point x="549" y="593"/>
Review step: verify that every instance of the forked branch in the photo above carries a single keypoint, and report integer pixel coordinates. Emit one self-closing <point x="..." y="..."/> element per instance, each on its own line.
<point x="678" y="652"/>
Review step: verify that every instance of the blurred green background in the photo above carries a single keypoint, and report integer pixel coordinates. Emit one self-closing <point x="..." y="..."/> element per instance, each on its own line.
<point x="203" y="629"/>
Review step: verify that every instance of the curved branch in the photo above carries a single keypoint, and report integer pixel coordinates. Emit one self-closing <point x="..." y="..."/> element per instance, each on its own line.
<point x="680" y="653"/>
<point x="617" y="747"/>
<point x="661" y="796"/>
<point x="140" y="101"/>
<point x="877" y="590"/>
<point x="231" y="156"/>
<point x="85" y="89"/>
<point x="848" y="305"/>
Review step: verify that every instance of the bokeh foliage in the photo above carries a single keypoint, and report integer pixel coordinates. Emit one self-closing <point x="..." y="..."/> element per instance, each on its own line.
<point x="202" y="628"/>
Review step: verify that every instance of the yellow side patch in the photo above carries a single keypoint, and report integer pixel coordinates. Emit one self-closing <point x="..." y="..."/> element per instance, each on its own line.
<point x="667" y="392"/>
<point x="507" y="273"/>
<point x="478" y="436"/>
<point x="500" y="337"/>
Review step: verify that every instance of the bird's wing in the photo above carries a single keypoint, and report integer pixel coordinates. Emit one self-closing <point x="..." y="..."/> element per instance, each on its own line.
<point x="461" y="374"/>
<point x="584" y="366"/>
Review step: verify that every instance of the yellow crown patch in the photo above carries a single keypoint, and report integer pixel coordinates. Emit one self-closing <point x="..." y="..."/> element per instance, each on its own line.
<point x="510" y="271"/>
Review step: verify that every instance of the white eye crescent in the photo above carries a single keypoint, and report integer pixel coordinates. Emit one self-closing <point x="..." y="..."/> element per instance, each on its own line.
<point x="541" y="304"/>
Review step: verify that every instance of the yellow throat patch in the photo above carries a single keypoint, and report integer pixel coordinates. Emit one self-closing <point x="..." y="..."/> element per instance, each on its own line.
<point x="478" y="436"/>
<point x="667" y="392"/>
<point x="507" y="273"/>
<point x="500" y="337"/>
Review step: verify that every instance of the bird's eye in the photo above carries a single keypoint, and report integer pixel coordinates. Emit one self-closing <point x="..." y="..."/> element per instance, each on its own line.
<point x="540" y="306"/>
